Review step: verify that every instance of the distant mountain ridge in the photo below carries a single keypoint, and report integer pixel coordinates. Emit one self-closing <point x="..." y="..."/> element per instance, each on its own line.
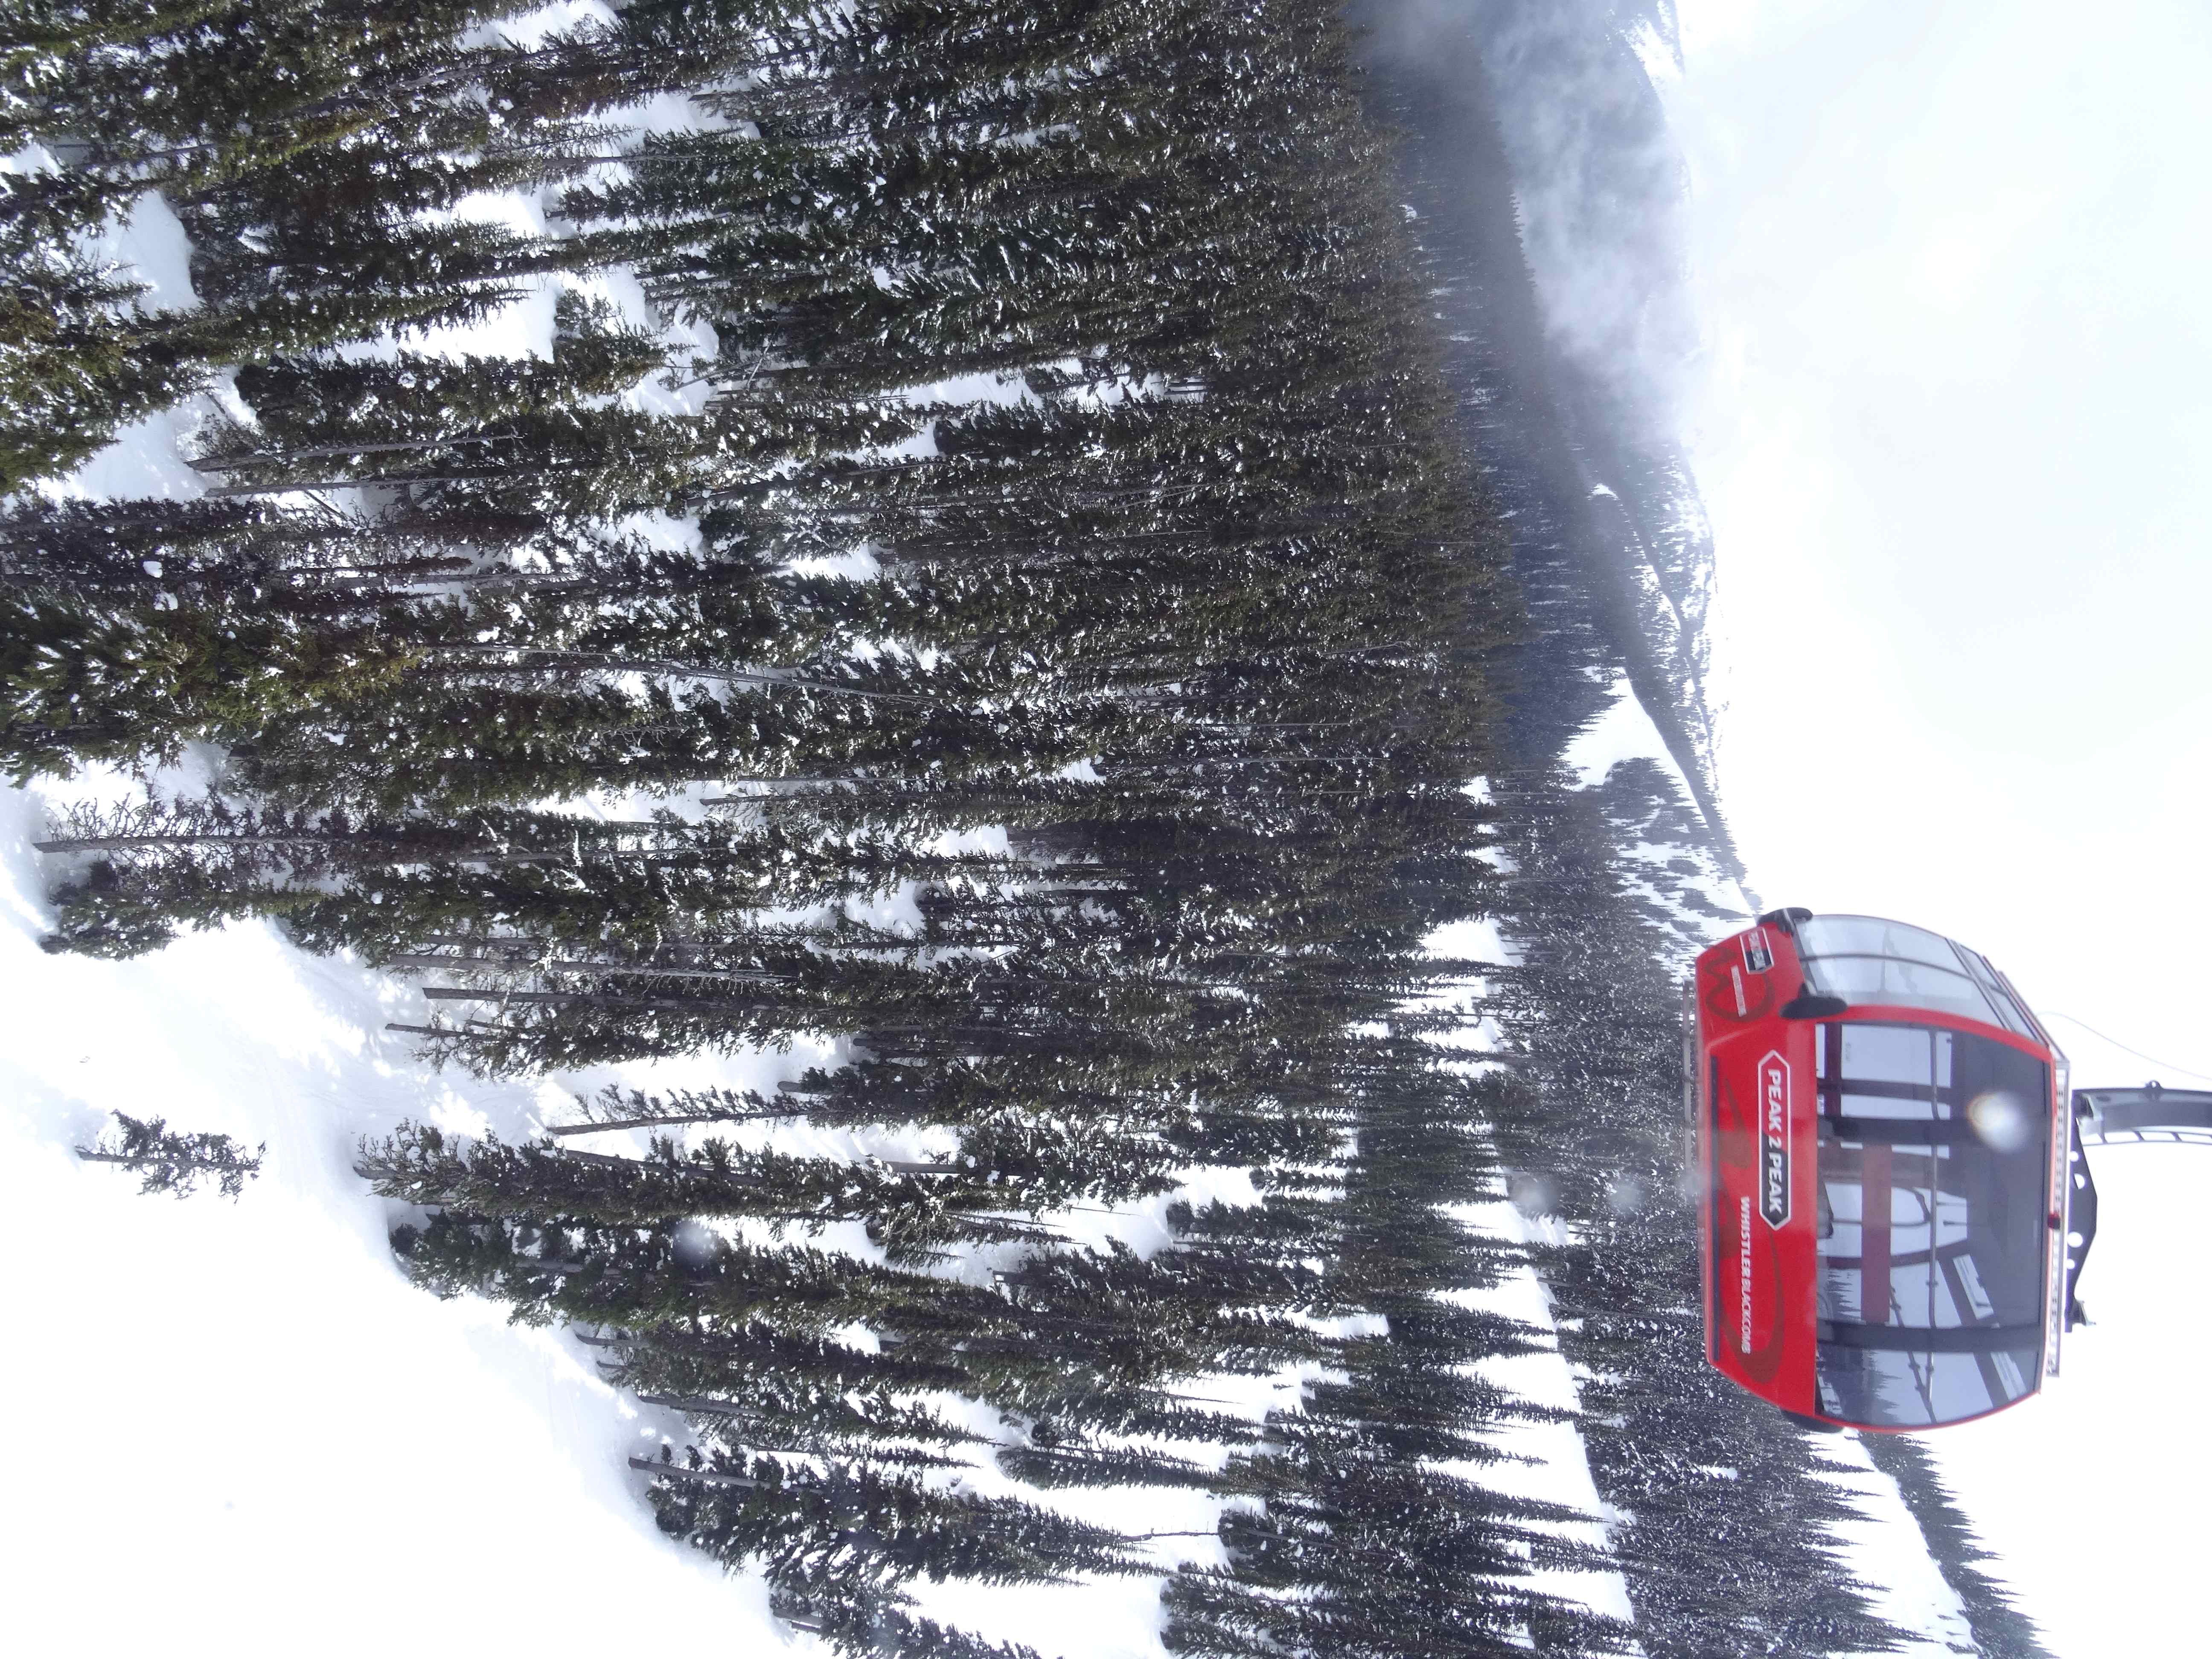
<point x="1567" y="337"/>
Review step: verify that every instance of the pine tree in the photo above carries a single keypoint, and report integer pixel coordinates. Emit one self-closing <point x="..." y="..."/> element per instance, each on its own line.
<point x="1061" y="577"/>
<point x="175" y="1162"/>
<point x="811" y="1528"/>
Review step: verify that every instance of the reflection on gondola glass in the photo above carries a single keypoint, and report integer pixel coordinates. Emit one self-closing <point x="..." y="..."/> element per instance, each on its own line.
<point x="1865" y="960"/>
<point x="1931" y="1245"/>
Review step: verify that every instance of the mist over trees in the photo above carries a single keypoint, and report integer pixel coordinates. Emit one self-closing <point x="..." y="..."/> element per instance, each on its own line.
<point x="996" y="568"/>
<point x="1569" y="343"/>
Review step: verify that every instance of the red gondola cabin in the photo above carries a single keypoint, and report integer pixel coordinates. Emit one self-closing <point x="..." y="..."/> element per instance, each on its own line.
<point x="1878" y="1121"/>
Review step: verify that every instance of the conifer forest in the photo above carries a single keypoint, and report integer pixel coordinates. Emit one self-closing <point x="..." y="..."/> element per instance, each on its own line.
<point x="1030" y="553"/>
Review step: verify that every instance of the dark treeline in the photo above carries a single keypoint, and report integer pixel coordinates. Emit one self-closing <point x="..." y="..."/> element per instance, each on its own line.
<point x="1028" y="499"/>
<point x="1014" y="598"/>
<point x="1722" y="1541"/>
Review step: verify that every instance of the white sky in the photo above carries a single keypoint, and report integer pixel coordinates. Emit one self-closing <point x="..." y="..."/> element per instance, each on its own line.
<point x="1955" y="429"/>
<point x="1954" y="426"/>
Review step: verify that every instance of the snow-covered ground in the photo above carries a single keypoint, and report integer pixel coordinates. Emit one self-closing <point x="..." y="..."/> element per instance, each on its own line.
<point x="1665" y="854"/>
<point x="1884" y="1549"/>
<point x="1545" y="1461"/>
<point x="246" y="1416"/>
<point x="1622" y="732"/>
<point x="238" y="1428"/>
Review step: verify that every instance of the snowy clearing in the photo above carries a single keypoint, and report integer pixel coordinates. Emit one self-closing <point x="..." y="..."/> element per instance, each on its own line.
<point x="248" y="1421"/>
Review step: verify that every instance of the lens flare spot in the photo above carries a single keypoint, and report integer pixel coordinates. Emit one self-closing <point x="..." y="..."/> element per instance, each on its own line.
<point x="2000" y="1120"/>
<point x="694" y="1245"/>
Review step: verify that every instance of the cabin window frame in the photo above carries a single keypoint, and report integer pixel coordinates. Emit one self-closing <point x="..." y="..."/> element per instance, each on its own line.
<point x="1863" y="1109"/>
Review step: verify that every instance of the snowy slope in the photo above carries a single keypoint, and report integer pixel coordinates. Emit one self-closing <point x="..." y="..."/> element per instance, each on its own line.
<point x="1548" y="1461"/>
<point x="287" y="1413"/>
<point x="326" y="1435"/>
<point x="1663" y="851"/>
<point x="298" y="1428"/>
<point x="1544" y="1461"/>
<point x="1884" y="1549"/>
<point x="239" y="1428"/>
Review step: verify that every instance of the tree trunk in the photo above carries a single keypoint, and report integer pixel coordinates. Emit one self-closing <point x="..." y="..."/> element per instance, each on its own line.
<point x="325" y="452"/>
<point x="665" y="1122"/>
<point x="643" y="970"/>
<point x="595" y="662"/>
<point x="678" y="1472"/>
<point x="589" y="999"/>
